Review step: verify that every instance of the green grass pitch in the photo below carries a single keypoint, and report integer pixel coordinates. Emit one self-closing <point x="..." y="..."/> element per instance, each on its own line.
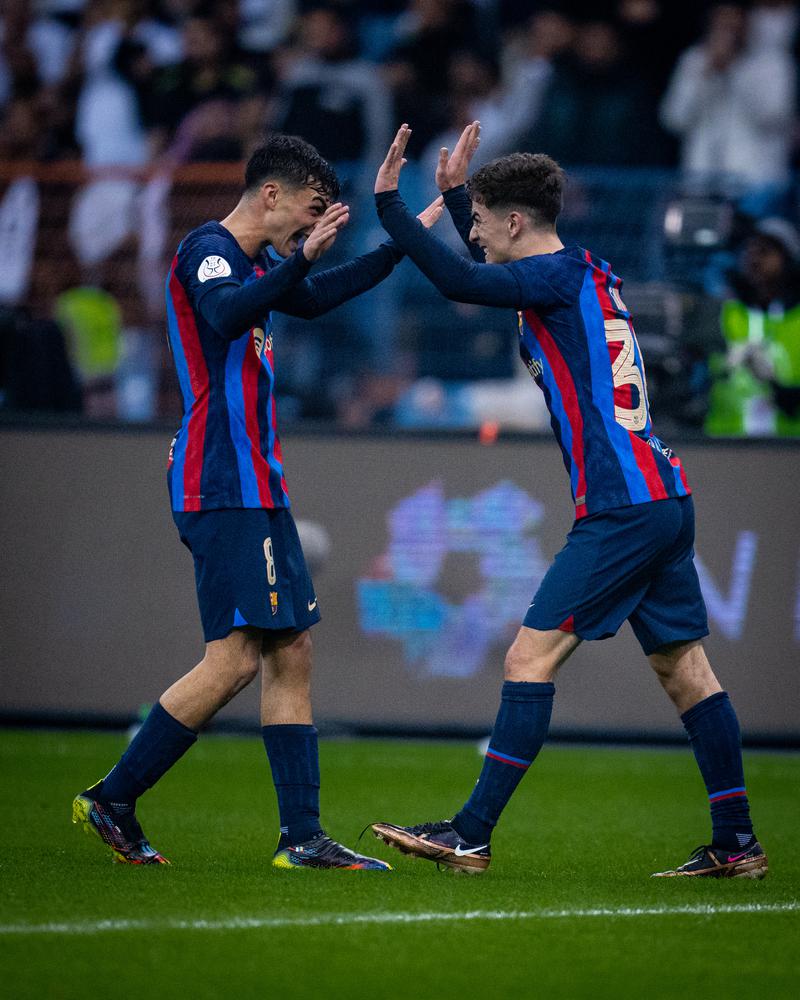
<point x="566" y="910"/>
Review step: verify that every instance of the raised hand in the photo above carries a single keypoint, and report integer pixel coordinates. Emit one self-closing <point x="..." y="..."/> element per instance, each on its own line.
<point x="389" y="173"/>
<point x="322" y="236"/>
<point x="451" y="171"/>
<point x="430" y="216"/>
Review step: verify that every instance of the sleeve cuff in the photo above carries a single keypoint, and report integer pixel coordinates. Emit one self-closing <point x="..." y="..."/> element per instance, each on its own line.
<point x="454" y="194"/>
<point x="385" y="198"/>
<point x="299" y="261"/>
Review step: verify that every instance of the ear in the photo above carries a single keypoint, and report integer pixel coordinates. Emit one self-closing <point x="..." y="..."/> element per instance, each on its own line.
<point x="515" y="223"/>
<point x="269" y="192"/>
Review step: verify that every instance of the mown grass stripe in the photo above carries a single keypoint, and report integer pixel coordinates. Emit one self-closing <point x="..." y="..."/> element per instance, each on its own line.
<point x="349" y="919"/>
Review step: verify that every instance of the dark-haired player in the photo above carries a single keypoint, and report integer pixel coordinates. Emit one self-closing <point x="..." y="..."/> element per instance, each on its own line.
<point x="229" y="495"/>
<point x="629" y="553"/>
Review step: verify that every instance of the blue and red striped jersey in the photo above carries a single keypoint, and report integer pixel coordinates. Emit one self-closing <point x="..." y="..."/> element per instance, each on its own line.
<point x="578" y="342"/>
<point x="226" y="452"/>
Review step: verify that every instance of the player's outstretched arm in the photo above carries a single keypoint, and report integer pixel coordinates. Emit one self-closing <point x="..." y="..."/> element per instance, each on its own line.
<point x="322" y="292"/>
<point x="232" y="308"/>
<point x="456" y="278"/>
<point x="451" y="178"/>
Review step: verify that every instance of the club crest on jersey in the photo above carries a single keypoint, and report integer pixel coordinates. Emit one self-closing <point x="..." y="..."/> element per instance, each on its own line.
<point x="273" y="601"/>
<point x="261" y="341"/>
<point x="213" y="267"/>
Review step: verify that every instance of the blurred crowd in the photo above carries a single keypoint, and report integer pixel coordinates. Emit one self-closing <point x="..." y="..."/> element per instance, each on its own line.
<point x="706" y="91"/>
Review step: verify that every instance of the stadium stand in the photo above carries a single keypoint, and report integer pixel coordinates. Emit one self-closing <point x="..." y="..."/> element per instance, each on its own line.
<point x="125" y="122"/>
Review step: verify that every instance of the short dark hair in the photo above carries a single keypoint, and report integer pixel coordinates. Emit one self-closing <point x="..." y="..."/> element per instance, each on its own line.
<point x="290" y="159"/>
<point x="533" y="182"/>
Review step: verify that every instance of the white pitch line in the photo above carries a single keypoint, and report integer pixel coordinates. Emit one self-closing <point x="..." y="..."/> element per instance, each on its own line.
<point x="352" y="919"/>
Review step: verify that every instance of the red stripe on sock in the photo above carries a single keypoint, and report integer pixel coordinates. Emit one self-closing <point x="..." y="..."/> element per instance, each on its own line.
<point x="513" y="763"/>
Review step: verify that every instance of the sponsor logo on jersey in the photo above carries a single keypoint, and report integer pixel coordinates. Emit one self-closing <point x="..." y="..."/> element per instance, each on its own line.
<point x="213" y="267"/>
<point x="535" y="366"/>
<point x="261" y="341"/>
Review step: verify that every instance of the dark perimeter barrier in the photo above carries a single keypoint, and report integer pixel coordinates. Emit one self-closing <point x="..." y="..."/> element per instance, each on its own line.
<point x="431" y="549"/>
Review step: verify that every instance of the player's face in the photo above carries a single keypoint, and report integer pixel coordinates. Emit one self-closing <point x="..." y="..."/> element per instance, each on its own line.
<point x="296" y="212"/>
<point x="490" y="230"/>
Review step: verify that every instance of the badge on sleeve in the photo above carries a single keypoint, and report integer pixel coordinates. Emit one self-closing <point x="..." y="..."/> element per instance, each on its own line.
<point x="213" y="267"/>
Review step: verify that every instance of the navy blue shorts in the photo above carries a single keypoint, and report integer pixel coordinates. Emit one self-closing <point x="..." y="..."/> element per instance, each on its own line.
<point x="249" y="569"/>
<point x="630" y="562"/>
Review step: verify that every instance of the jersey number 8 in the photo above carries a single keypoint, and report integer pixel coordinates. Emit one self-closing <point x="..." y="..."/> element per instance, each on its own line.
<point x="271" y="574"/>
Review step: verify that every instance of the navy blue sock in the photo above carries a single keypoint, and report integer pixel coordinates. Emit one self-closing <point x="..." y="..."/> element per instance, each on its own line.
<point x="519" y="732"/>
<point x="160" y="742"/>
<point x="294" y="759"/>
<point x="717" y="744"/>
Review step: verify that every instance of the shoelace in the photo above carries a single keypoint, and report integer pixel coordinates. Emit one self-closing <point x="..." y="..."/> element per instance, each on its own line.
<point x="329" y="849"/>
<point x="441" y="826"/>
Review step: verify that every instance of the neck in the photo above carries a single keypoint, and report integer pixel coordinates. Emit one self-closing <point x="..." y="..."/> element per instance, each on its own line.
<point x="539" y="242"/>
<point x="246" y="229"/>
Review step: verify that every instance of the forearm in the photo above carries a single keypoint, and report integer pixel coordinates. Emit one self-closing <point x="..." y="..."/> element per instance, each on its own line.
<point x="233" y="309"/>
<point x="330" y="288"/>
<point x="459" y="206"/>
<point x="456" y="278"/>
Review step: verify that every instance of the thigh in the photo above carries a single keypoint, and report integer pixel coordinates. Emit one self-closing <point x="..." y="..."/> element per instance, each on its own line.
<point x="603" y="572"/>
<point x="672" y="608"/>
<point x="249" y="570"/>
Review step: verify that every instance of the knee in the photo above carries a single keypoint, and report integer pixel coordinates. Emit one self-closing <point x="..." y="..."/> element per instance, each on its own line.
<point x="523" y="665"/>
<point x="241" y="671"/>
<point x="236" y="666"/>
<point x="247" y="670"/>
<point x="292" y="659"/>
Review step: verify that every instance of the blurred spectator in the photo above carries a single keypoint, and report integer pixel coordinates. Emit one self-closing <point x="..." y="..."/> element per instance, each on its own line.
<point x="109" y="125"/>
<point x="35" y="371"/>
<point x="19" y="221"/>
<point x="596" y="111"/>
<point x="91" y="318"/>
<point x="264" y="24"/>
<point x="197" y="102"/>
<point x="416" y="67"/>
<point x="330" y="96"/>
<point x="731" y="100"/>
<point x="756" y="373"/>
<point x="654" y="33"/>
<point x="774" y="24"/>
<point x="510" y="107"/>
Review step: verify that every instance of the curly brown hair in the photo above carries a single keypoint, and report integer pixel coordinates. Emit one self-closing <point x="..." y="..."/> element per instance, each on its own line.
<point x="532" y="182"/>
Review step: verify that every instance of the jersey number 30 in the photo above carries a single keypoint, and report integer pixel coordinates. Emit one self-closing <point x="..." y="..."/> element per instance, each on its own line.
<point x="625" y="371"/>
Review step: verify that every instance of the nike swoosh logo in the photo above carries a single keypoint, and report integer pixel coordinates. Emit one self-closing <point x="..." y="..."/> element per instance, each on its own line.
<point x="473" y="850"/>
<point x="312" y="604"/>
<point x="736" y="857"/>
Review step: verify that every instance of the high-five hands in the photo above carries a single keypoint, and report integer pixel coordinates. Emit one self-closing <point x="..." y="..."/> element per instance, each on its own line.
<point x="430" y="216"/>
<point x="451" y="170"/>
<point x="389" y="173"/>
<point x="324" y="233"/>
